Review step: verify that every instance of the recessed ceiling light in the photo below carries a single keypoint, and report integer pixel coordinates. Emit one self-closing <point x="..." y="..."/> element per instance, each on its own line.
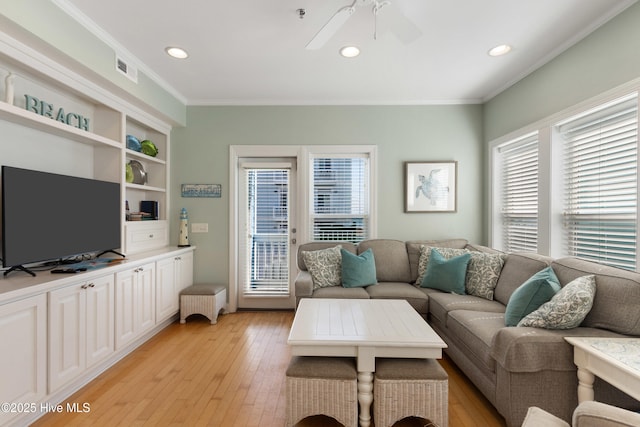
<point x="349" y="51"/>
<point x="176" y="52"/>
<point x="503" y="49"/>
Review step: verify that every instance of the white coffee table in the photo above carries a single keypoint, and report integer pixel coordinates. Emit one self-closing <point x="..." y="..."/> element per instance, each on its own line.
<point x="364" y="329"/>
<point x="615" y="360"/>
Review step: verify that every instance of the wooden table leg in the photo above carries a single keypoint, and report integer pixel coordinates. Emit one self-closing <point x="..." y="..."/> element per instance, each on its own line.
<point x="365" y="397"/>
<point x="585" y="385"/>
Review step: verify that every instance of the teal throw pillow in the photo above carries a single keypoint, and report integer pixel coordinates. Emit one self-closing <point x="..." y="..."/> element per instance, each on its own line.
<point x="529" y="296"/>
<point x="358" y="270"/>
<point x="447" y="275"/>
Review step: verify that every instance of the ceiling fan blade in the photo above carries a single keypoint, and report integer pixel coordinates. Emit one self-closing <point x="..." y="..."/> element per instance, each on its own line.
<point x="390" y="18"/>
<point x="330" y="28"/>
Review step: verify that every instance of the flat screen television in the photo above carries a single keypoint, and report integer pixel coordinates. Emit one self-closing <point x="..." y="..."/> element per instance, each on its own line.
<point x="46" y="216"/>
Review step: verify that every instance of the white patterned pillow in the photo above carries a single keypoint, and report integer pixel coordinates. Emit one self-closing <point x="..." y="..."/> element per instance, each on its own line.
<point x="425" y="254"/>
<point x="482" y="273"/>
<point x="325" y="266"/>
<point x="568" y="307"/>
<point x="483" y="269"/>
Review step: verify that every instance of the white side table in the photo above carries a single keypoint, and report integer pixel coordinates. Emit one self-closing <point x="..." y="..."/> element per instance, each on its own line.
<point x="615" y="360"/>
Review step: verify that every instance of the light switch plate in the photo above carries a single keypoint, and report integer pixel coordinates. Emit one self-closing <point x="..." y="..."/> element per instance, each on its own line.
<point x="199" y="227"/>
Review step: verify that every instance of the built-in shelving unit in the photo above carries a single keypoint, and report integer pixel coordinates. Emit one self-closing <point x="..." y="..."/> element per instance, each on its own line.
<point x="99" y="152"/>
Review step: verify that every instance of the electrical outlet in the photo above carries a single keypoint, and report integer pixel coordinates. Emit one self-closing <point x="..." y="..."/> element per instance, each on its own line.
<point x="199" y="227"/>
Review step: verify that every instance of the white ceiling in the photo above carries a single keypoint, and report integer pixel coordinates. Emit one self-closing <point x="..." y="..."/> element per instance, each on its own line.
<point x="253" y="51"/>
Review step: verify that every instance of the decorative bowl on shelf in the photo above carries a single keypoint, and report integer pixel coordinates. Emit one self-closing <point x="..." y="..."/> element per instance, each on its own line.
<point x="149" y="148"/>
<point x="137" y="170"/>
<point x="133" y="143"/>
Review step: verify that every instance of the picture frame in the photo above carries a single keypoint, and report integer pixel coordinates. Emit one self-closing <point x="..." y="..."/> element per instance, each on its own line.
<point x="430" y="186"/>
<point x="201" y="190"/>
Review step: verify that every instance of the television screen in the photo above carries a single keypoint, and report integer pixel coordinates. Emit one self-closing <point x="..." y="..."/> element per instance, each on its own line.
<point x="47" y="216"/>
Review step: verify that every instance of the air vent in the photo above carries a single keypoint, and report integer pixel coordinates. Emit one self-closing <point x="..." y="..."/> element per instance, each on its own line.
<point x="126" y="69"/>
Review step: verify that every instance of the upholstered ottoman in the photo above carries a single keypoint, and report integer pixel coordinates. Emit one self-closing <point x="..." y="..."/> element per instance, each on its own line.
<point x="410" y="388"/>
<point x="322" y="386"/>
<point x="205" y="299"/>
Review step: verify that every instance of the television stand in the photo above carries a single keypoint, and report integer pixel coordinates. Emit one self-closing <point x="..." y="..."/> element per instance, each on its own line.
<point x="20" y="268"/>
<point x="110" y="251"/>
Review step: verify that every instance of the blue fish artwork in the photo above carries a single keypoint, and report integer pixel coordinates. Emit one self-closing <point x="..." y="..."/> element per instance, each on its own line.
<point x="432" y="188"/>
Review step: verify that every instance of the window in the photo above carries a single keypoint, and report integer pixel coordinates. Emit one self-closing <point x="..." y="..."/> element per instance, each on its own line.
<point x="340" y="205"/>
<point x="601" y="184"/>
<point x="518" y="194"/>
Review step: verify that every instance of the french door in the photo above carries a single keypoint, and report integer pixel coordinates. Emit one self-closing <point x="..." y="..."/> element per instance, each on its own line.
<point x="266" y="232"/>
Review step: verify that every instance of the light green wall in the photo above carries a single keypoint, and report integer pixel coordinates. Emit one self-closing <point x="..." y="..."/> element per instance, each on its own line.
<point x="608" y="57"/>
<point x="200" y="154"/>
<point x="48" y="23"/>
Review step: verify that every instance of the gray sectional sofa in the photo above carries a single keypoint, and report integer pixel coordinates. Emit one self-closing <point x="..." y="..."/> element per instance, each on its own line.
<point x="514" y="367"/>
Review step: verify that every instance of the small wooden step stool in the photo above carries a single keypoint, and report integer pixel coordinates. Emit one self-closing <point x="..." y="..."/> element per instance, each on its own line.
<point x="206" y="299"/>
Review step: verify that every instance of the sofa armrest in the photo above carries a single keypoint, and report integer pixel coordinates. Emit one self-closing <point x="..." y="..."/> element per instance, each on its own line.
<point x="597" y="414"/>
<point x="303" y="285"/>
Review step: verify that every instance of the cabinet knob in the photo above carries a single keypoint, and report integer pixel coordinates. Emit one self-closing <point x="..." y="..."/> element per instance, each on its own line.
<point x="91" y="285"/>
<point x="151" y="236"/>
<point x="84" y="286"/>
<point x="178" y="258"/>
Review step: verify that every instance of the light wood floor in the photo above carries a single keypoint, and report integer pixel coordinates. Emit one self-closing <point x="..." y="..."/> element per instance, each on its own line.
<point x="229" y="374"/>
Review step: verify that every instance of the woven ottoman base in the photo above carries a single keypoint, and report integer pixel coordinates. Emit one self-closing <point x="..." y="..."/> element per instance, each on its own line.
<point x="208" y="300"/>
<point x="410" y="388"/>
<point x="322" y="386"/>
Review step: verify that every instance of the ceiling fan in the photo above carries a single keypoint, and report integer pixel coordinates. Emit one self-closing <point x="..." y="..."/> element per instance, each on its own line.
<point x="384" y="10"/>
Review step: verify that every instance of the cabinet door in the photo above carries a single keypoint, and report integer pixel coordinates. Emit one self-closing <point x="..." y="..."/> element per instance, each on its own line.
<point x="126" y="312"/>
<point x="146" y="303"/>
<point x="67" y="331"/>
<point x="23" y="359"/>
<point x="100" y="319"/>
<point x="166" y="289"/>
<point x="185" y="270"/>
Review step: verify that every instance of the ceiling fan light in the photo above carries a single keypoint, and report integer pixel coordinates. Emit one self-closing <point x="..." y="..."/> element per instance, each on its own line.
<point x="176" y="52"/>
<point x="500" y="50"/>
<point x="349" y="51"/>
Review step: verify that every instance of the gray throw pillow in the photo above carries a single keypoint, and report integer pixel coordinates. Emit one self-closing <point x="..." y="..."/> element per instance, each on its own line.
<point x="567" y="309"/>
<point x="325" y="266"/>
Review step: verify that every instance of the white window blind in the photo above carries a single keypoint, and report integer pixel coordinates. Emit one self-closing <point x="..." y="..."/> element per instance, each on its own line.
<point x="340" y="188"/>
<point x="268" y="232"/>
<point x="519" y="194"/>
<point x="601" y="184"/>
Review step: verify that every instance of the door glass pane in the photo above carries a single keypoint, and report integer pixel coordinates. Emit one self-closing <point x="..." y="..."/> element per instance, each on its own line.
<point x="268" y="231"/>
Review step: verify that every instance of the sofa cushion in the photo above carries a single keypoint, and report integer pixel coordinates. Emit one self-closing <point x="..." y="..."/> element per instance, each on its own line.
<point x="413" y="250"/>
<point x="395" y="267"/>
<point x="483" y="269"/>
<point x="314" y="246"/>
<point x="325" y="266"/>
<point x="534" y="349"/>
<point x="399" y="290"/>
<point x="615" y="306"/>
<point x="340" y="292"/>
<point x="567" y="308"/>
<point x="440" y="303"/>
<point x="475" y="331"/>
<point x="446" y="274"/>
<point x="483" y="273"/>
<point x="425" y="257"/>
<point x="529" y="296"/>
<point x="518" y="267"/>
<point x="358" y="270"/>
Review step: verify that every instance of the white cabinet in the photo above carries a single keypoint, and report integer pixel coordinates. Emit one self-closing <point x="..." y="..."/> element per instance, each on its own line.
<point x="172" y="275"/>
<point x="23" y="359"/>
<point x="81" y="328"/>
<point x="135" y="303"/>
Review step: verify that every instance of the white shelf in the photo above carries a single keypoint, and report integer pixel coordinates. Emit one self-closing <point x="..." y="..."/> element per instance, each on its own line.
<point x="27" y="118"/>
<point x="142" y="156"/>
<point x="145" y="188"/>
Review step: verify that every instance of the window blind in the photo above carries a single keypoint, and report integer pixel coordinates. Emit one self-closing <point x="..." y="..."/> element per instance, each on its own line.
<point x="519" y="195"/>
<point x="340" y="188"/>
<point x="601" y="184"/>
<point x="268" y="232"/>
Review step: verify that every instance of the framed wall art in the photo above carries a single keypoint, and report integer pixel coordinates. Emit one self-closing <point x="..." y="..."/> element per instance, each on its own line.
<point x="430" y="186"/>
<point x="201" y="190"/>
